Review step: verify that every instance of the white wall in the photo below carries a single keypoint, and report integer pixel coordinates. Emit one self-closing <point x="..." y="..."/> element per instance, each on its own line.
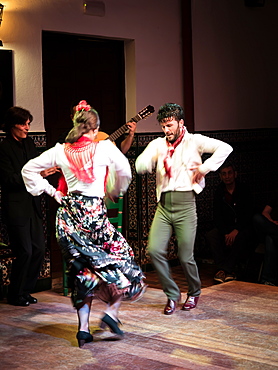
<point x="235" y="65"/>
<point x="234" y="55"/>
<point x="154" y="25"/>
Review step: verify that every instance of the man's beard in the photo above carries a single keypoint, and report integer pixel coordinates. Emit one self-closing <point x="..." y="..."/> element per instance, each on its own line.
<point x="176" y="136"/>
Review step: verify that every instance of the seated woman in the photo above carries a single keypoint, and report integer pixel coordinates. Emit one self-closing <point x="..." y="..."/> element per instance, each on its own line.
<point x="100" y="261"/>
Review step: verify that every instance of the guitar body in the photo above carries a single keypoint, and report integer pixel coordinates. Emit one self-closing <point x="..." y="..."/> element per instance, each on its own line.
<point x="101" y="136"/>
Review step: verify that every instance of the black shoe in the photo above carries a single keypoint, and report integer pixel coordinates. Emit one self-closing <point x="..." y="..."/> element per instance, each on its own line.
<point x="30" y="299"/>
<point x="112" y="324"/>
<point x="19" y="301"/>
<point x="83" y="337"/>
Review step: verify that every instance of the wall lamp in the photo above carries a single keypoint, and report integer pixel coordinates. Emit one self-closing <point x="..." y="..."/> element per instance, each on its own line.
<point x="1" y="12"/>
<point x="92" y="7"/>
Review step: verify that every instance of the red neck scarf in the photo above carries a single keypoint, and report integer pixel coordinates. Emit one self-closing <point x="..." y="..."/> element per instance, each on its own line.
<point x="170" y="152"/>
<point x="80" y="156"/>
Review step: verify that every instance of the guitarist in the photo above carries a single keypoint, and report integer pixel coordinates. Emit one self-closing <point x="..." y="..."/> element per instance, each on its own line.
<point x="127" y="142"/>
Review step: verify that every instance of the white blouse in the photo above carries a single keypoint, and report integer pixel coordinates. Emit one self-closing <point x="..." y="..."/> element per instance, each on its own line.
<point x="188" y="154"/>
<point x="106" y="154"/>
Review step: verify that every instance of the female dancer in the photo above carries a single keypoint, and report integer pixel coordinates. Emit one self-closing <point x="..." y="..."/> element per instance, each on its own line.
<point x="100" y="261"/>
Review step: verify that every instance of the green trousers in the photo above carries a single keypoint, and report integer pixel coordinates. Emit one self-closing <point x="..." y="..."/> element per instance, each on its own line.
<point x="176" y="212"/>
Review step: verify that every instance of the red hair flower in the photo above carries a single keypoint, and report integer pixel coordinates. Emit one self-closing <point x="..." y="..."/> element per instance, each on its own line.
<point x="82" y="105"/>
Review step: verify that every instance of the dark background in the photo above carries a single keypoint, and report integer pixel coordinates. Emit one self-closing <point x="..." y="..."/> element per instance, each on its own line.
<point x="6" y="82"/>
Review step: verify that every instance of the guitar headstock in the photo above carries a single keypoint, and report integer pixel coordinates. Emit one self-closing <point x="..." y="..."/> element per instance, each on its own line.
<point x="144" y="113"/>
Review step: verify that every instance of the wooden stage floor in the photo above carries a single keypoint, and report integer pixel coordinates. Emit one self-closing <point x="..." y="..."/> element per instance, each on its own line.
<point x="235" y="326"/>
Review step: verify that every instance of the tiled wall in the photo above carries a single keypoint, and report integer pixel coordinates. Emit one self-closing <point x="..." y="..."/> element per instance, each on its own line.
<point x="255" y="156"/>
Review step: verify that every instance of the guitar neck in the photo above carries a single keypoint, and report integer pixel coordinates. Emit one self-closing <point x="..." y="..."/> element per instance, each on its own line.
<point x="144" y="113"/>
<point x="119" y="132"/>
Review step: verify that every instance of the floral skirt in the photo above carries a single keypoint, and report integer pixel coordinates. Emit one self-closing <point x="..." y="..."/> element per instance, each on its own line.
<point x="85" y="234"/>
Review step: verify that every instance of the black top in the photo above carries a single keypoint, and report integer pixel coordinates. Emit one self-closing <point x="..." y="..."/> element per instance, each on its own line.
<point x="232" y="211"/>
<point x="17" y="203"/>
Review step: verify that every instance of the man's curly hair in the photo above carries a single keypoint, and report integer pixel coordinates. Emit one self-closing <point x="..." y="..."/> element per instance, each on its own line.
<point x="170" y="111"/>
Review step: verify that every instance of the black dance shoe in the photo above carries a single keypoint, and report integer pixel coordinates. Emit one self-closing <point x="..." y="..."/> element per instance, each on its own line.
<point x="112" y="325"/>
<point x="83" y="337"/>
<point x="30" y="299"/>
<point x="19" y="301"/>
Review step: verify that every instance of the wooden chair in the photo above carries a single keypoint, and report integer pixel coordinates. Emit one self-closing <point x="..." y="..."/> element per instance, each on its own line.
<point x="115" y="215"/>
<point x="260" y="251"/>
<point x="115" y="212"/>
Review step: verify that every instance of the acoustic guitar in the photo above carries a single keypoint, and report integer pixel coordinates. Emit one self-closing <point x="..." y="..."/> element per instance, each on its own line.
<point x="143" y="114"/>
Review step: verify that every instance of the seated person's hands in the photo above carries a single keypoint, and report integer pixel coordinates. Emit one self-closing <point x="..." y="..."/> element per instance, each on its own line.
<point x="230" y="238"/>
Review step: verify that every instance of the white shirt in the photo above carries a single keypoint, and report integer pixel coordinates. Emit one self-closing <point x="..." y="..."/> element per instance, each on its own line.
<point x="186" y="155"/>
<point x="106" y="154"/>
